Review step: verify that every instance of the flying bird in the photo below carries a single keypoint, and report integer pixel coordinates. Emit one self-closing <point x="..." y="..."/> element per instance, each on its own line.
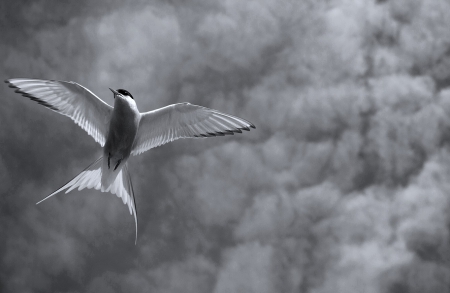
<point x="122" y="130"/>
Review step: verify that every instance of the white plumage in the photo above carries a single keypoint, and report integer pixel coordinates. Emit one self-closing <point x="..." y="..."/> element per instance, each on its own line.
<point x="123" y="131"/>
<point x="70" y="99"/>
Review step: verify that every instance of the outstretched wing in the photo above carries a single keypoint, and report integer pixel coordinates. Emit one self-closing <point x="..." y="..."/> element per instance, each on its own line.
<point x="70" y="99"/>
<point x="182" y="121"/>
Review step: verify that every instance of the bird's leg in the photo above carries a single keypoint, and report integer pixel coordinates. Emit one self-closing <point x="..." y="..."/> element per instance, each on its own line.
<point x="109" y="158"/>
<point x="117" y="165"/>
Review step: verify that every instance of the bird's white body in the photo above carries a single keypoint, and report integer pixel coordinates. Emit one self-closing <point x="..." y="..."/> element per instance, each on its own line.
<point x="123" y="131"/>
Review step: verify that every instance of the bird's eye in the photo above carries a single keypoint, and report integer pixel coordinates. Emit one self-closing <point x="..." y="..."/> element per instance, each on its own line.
<point x="125" y="93"/>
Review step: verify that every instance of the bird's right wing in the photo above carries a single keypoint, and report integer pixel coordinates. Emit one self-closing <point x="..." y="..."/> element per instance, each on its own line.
<point x="184" y="120"/>
<point x="70" y="99"/>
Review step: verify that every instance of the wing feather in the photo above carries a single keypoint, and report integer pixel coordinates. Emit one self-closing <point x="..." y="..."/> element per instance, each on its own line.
<point x="184" y="120"/>
<point x="70" y="99"/>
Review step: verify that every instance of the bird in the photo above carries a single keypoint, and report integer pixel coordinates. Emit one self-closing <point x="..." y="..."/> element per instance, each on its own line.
<point x="122" y="131"/>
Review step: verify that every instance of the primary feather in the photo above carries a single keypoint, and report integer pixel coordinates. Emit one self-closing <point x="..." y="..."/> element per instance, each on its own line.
<point x="70" y="99"/>
<point x="184" y="120"/>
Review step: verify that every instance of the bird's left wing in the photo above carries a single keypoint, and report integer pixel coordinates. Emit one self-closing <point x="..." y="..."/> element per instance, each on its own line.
<point x="184" y="120"/>
<point x="70" y="99"/>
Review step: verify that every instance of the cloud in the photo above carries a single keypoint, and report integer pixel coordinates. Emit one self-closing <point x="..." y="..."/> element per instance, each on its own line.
<point x="341" y="187"/>
<point x="247" y="268"/>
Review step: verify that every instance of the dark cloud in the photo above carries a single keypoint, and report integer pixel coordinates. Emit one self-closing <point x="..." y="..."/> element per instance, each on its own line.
<point x="341" y="188"/>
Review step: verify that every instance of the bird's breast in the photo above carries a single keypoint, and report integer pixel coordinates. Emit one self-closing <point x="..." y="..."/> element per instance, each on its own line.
<point x="122" y="128"/>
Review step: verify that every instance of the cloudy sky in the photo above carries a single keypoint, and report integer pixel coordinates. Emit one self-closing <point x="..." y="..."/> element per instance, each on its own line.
<point x="343" y="186"/>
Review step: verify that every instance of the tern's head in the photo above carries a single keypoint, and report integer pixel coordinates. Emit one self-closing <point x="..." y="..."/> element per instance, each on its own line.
<point x="121" y="92"/>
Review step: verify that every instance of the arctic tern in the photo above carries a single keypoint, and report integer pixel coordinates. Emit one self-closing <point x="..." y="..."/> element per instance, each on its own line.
<point x="122" y="130"/>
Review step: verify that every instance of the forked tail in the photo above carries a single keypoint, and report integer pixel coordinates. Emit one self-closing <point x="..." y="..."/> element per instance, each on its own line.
<point x="91" y="177"/>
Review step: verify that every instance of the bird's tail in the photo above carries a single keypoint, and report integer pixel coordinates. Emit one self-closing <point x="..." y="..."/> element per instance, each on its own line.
<point x="109" y="173"/>
<point x="91" y="177"/>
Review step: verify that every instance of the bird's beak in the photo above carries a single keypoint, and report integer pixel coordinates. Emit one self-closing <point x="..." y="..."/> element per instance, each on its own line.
<point x="114" y="91"/>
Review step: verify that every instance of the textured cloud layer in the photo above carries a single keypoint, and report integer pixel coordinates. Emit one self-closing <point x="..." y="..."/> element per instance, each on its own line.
<point x="343" y="187"/>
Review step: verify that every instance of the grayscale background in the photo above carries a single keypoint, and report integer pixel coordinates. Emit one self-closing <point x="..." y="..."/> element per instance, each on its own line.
<point x="344" y="186"/>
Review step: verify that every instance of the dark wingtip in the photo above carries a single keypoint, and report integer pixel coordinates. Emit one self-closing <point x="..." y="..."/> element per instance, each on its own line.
<point x="225" y="132"/>
<point x="229" y="132"/>
<point x="10" y="84"/>
<point x="33" y="98"/>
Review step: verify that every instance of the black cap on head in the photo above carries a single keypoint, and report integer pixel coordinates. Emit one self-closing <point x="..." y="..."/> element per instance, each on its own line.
<point x="125" y="93"/>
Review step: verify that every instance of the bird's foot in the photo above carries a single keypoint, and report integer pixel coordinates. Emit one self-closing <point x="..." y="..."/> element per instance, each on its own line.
<point x="109" y="159"/>
<point x="117" y="165"/>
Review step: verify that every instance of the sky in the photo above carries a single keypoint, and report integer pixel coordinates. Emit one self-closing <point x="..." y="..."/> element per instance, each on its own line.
<point x="342" y="187"/>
